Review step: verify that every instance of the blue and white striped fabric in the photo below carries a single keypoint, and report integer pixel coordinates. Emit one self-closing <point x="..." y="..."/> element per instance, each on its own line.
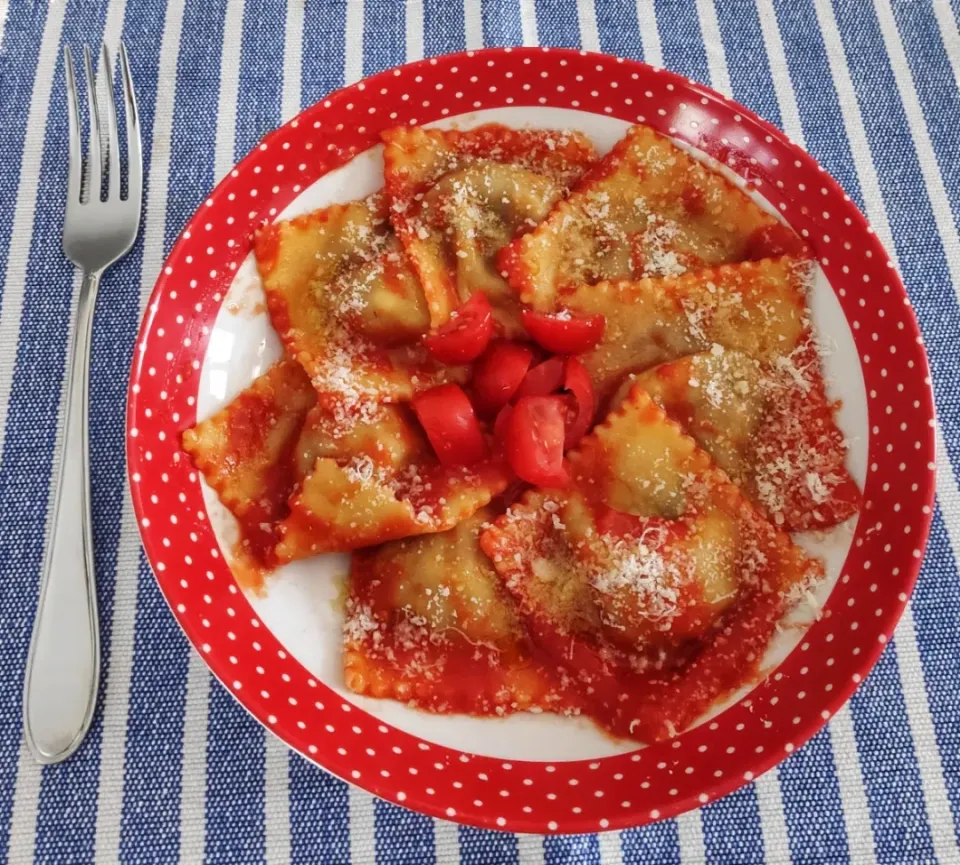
<point x="174" y="770"/>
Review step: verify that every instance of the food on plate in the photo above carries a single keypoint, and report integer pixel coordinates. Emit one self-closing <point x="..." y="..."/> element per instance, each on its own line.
<point x="647" y="209"/>
<point x="498" y="375"/>
<point x="762" y="381"/>
<point x="451" y="425"/>
<point x="465" y="335"/>
<point x="533" y="437"/>
<point x="638" y="572"/>
<point x="759" y="308"/>
<point x="562" y="332"/>
<point x="246" y="452"/>
<point x="348" y="307"/>
<point x="769" y="427"/>
<point x="561" y="413"/>
<point x="380" y="481"/>
<point x="430" y="623"/>
<point x="457" y="198"/>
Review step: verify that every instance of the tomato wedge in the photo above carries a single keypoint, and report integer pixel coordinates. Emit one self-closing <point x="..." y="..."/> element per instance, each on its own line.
<point x="543" y="379"/>
<point x="465" y="336"/>
<point x="576" y="379"/>
<point x="502" y="422"/>
<point x="498" y="374"/>
<point x="563" y="333"/>
<point x="447" y="417"/>
<point x="619" y="524"/>
<point x="534" y="440"/>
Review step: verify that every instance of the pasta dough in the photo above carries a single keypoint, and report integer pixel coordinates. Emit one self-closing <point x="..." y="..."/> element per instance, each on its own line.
<point x="647" y="209"/>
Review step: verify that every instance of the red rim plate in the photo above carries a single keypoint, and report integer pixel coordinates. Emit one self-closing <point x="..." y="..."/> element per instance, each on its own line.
<point x="580" y="796"/>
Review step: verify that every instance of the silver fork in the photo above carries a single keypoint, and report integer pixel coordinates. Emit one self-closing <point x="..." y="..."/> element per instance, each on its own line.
<point x="63" y="668"/>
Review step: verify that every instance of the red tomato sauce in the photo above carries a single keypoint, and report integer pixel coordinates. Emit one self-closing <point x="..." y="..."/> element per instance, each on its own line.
<point x="661" y="705"/>
<point x="251" y="419"/>
<point x="646" y="689"/>
<point x="445" y="671"/>
<point x="684" y="679"/>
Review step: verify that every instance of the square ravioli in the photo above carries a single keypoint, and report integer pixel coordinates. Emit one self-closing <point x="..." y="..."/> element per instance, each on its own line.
<point x="347" y="307"/>
<point x="647" y="208"/>
<point x="377" y="482"/>
<point x="245" y="451"/>
<point x="759" y="308"/>
<point x="651" y="575"/>
<point x="759" y="406"/>
<point x="457" y="198"/>
<point x="429" y="623"/>
<point x="773" y="433"/>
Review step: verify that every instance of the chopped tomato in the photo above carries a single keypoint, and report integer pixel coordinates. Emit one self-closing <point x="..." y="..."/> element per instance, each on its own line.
<point x="576" y="379"/>
<point x="447" y="417"/>
<point x="500" y="424"/>
<point x="499" y="373"/>
<point x="563" y="333"/>
<point x="543" y="379"/>
<point x="465" y="336"/>
<point x="534" y="441"/>
<point x="619" y="524"/>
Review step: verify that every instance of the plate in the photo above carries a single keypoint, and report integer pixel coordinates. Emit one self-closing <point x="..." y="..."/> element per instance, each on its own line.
<point x="206" y="335"/>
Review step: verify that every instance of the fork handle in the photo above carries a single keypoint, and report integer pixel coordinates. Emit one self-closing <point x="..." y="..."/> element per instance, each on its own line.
<point x="63" y="667"/>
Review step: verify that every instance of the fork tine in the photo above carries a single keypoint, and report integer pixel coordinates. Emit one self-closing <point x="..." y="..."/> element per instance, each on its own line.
<point x="113" y="138"/>
<point x="94" y="169"/>
<point x="73" y="122"/>
<point x="134" y="157"/>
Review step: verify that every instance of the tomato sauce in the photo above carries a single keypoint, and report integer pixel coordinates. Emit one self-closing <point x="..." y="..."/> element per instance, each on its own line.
<point x="772" y="241"/>
<point x="659" y="705"/>
<point x="655" y="692"/>
<point x="464" y="681"/>
<point x="648" y="687"/>
<point x="395" y="653"/>
<point x="266" y="247"/>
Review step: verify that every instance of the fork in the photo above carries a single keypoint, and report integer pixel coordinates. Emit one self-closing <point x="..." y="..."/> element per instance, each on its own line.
<point x="63" y="667"/>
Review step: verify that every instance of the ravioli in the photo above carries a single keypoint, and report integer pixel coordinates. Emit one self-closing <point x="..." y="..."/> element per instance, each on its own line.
<point x="773" y="435"/>
<point x="758" y="308"/>
<point x="379" y="482"/>
<point x="637" y="575"/>
<point x="649" y="587"/>
<point x="347" y="307"/>
<point x="457" y="198"/>
<point x="245" y="452"/>
<point x="647" y="209"/>
<point x="430" y="624"/>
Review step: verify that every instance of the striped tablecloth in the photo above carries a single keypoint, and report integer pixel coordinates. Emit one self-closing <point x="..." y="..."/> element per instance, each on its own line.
<point x="174" y="769"/>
